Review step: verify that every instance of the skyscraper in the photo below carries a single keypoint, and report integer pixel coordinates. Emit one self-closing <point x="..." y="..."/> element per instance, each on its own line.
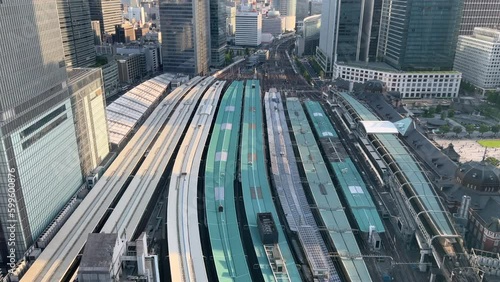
<point x="348" y="32"/>
<point x="39" y="159"/>
<point x="287" y="9"/>
<point x="325" y="53"/>
<point x="218" y="40"/>
<point x="185" y="32"/>
<point x="76" y="31"/>
<point x="419" y="35"/>
<point x="108" y="13"/>
<point x="479" y="13"/>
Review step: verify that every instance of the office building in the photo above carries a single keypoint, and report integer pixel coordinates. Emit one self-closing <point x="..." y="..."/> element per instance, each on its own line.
<point x="108" y="13"/>
<point x="185" y="32"/>
<point x="411" y="85"/>
<point x="273" y="23"/>
<point x="136" y="15"/>
<point x="124" y="33"/>
<point x="230" y="20"/>
<point x="109" y="69"/>
<point x="479" y="13"/>
<point x="478" y="58"/>
<point x="151" y="53"/>
<point x="287" y="9"/>
<point x="308" y="36"/>
<point x="38" y="141"/>
<point x="349" y="33"/>
<point x="76" y="32"/>
<point x="325" y="53"/>
<point x="89" y="112"/>
<point x="248" y="29"/>
<point x="96" y="30"/>
<point x="218" y="40"/>
<point x="131" y="67"/>
<point x="419" y="35"/>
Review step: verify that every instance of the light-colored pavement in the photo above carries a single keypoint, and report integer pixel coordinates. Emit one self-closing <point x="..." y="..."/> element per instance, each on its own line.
<point x="469" y="149"/>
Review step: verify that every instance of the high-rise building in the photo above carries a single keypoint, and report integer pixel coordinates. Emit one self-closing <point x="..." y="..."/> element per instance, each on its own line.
<point x="87" y="99"/>
<point x="352" y="29"/>
<point x="478" y="58"/>
<point x="108" y="13"/>
<point x="272" y="23"/>
<point x="124" y="33"/>
<point x="185" y="32"/>
<point x="308" y="37"/>
<point x="419" y="35"/>
<point x="38" y="149"/>
<point x="76" y="31"/>
<point x="287" y="9"/>
<point x="325" y="53"/>
<point x="96" y="31"/>
<point x="479" y="13"/>
<point x="218" y="40"/>
<point x="230" y="20"/>
<point x="248" y="29"/>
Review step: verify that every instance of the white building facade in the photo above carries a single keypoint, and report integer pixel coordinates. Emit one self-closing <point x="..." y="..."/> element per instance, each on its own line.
<point x="411" y="85"/>
<point x="478" y="58"/>
<point x="248" y="29"/>
<point x="325" y="52"/>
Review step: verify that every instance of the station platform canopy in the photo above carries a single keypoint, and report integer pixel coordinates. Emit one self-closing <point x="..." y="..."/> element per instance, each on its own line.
<point x="377" y="127"/>
<point x="125" y="112"/>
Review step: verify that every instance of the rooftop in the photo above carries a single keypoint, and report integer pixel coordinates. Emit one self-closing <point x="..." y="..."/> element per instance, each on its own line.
<point x="98" y="251"/>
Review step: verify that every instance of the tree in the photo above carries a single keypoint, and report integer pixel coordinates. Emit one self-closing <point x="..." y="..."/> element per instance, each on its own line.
<point x="495" y="128"/>
<point x="443" y="115"/>
<point x="247" y="51"/>
<point x="483" y="128"/>
<point x="439" y="108"/>
<point x="444" y="129"/>
<point x="228" y="59"/>
<point x="457" y="129"/>
<point x="469" y="128"/>
<point x="493" y="161"/>
<point x="451" y="113"/>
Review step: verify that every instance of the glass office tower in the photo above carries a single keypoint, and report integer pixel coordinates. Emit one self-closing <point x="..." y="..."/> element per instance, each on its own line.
<point x="76" y="31"/>
<point x="218" y="40"/>
<point x="350" y="30"/>
<point x="39" y="162"/>
<point x="420" y="35"/>
<point x="185" y="36"/>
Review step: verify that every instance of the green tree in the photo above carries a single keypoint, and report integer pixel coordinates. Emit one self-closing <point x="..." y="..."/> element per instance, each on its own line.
<point x="457" y="129"/>
<point x="493" y="161"/>
<point x="444" y="129"/>
<point x="483" y="128"/>
<point x="439" y="109"/>
<point x="443" y="115"/>
<point x="451" y="113"/>
<point x="495" y="128"/>
<point x="432" y="111"/>
<point x="469" y="128"/>
<point x="247" y="51"/>
<point x="228" y="59"/>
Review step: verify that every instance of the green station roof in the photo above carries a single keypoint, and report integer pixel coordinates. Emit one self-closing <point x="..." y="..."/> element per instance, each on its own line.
<point x="257" y="197"/>
<point x="225" y="239"/>
<point x="325" y="196"/>
<point x="412" y="172"/>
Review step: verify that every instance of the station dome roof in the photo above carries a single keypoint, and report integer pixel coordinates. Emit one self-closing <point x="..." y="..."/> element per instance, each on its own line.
<point x="479" y="176"/>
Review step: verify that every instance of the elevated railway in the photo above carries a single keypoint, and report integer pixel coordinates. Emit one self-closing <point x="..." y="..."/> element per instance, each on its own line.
<point x="58" y="261"/>
<point x="184" y="243"/>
